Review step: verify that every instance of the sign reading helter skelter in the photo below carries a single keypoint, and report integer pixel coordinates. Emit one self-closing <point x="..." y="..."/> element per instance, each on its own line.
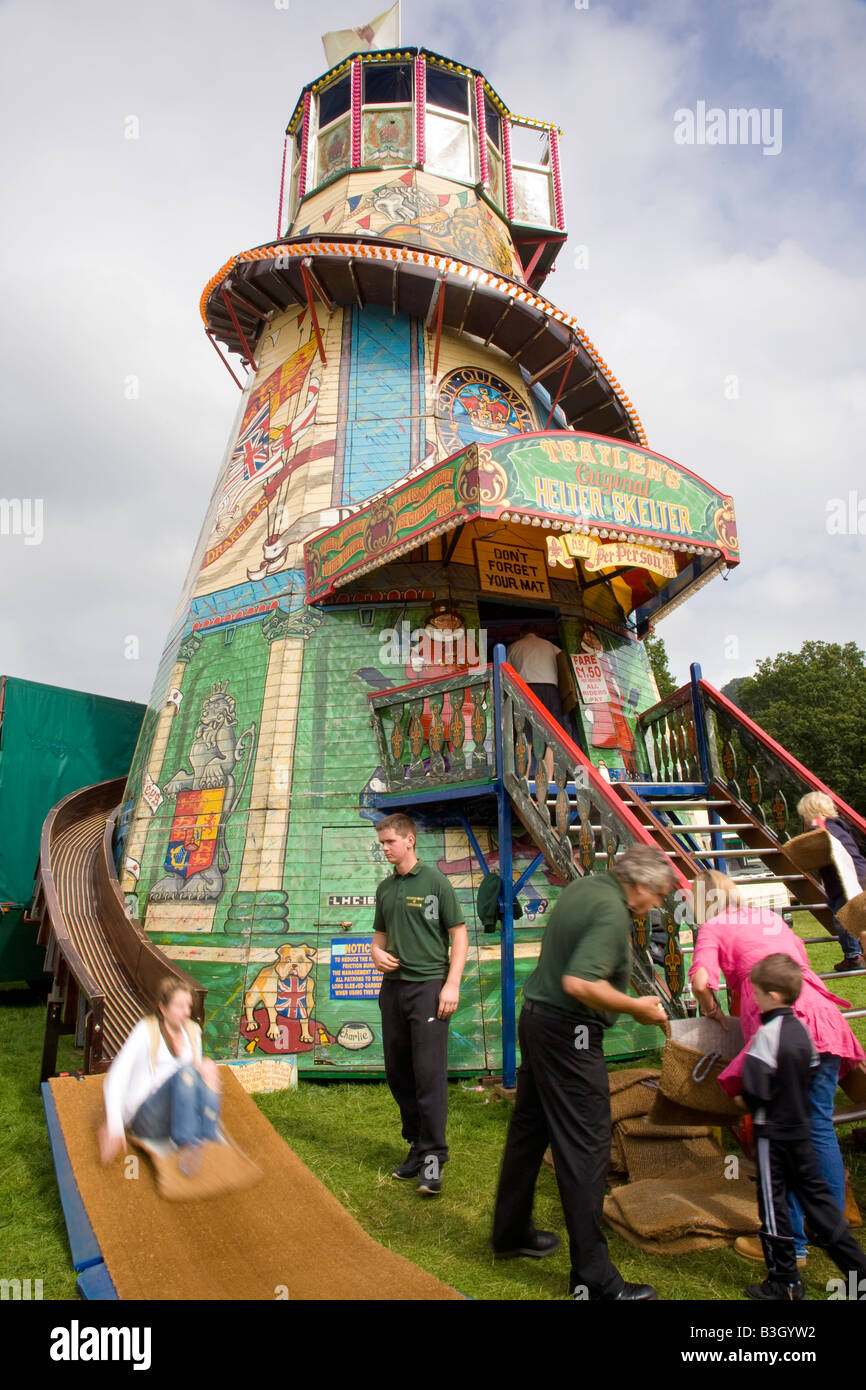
<point x="392" y="471"/>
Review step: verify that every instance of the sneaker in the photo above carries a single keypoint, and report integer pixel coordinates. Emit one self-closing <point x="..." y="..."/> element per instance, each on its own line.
<point x="751" y="1249"/>
<point x="429" y="1187"/>
<point x="850" y="963"/>
<point x="771" y="1292"/>
<point x="537" y="1246"/>
<point x="409" y="1168"/>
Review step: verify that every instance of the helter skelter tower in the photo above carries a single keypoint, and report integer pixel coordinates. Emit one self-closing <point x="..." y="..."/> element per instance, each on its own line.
<point x="428" y="454"/>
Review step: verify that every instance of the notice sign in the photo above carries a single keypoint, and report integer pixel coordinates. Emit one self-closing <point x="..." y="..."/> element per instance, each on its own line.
<point x="590" y="679"/>
<point x="511" y="569"/>
<point x="353" y="975"/>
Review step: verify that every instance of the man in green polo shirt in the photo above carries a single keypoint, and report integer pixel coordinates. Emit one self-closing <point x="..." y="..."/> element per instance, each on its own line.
<point x="420" y="945"/>
<point x="563" y="1097"/>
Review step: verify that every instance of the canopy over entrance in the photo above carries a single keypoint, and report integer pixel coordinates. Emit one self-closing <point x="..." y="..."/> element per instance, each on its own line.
<point x="563" y="504"/>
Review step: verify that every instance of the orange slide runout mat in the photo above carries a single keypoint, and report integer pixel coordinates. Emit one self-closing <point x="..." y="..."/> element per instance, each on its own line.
<point x="286" y="1237"/>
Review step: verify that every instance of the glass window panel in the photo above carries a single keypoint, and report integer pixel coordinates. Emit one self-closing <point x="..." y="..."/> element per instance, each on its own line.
<point x="448" y="148"/>
<point x="387" y="136"/>
<point x="494" y="164"/>
<point x="335" y="150"/>
<point x="528" y="145"/>
<point x="291" y="209"/>
<point x="334" y="101"/>
<point x="532" y="201"/>
<point x="447" y="89"/>
<point x="494" y="124"/>
<point x="387" y="82"/>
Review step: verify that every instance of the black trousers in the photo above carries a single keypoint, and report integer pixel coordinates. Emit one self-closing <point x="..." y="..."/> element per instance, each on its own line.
<point x="789" y="1166"/>
<point x="563" y="1098"/>
<point x="415" y="1044"/>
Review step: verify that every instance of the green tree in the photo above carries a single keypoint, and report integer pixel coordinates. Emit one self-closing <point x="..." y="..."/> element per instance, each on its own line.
<point x="657" y="653"/>
<point x="813" y="702"/>
<point x="732" y="689"/>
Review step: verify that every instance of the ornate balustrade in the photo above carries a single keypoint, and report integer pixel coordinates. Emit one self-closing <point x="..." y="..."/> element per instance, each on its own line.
<point x="758" y="772"/>
<point x="670" y="738"/>
<point x="576" y="817"/>
<point x="436" y="733"/>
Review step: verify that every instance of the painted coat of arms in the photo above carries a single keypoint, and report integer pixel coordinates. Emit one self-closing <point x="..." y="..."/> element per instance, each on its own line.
<point x="197" y="857"/>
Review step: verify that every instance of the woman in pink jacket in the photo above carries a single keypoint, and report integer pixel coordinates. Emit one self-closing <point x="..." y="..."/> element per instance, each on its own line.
<point x="731" y="939"/>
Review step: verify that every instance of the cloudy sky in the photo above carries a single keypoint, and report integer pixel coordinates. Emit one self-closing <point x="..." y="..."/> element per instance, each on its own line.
<point x="724" y="285"/>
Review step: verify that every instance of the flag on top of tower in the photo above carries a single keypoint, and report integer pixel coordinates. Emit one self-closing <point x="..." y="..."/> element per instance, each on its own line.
<point x="381" y="32"/>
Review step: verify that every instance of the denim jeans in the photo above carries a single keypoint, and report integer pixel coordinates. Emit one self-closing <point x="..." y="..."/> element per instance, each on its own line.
<point x="824" y="1143"/>
<point x="850" y="945"/>
<point x="183" y="1109"/>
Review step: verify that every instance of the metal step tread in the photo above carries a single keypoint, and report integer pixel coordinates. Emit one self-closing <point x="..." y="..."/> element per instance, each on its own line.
<point x="842" y="1116"/>
<point x="774" y="878"/>
<point x="674" y="803"/>
<point x="708" y="829"/>
<point x="730" y="854"/>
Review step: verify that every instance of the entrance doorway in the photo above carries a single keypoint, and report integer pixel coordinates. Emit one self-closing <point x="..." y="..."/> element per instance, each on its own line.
<point x="503" y="622"/>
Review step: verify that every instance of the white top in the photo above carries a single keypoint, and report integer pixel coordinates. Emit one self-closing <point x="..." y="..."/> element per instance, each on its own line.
<point x="131" y="1078"/>
<point x="534" y="658"/>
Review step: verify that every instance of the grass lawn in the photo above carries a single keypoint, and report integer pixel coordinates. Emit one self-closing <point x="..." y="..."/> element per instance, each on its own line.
<point x="348" y="1134"/>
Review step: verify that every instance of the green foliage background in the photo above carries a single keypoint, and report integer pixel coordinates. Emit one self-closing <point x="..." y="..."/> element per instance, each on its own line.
<point x="657" y="653"/>
<point x="813" y="702"/>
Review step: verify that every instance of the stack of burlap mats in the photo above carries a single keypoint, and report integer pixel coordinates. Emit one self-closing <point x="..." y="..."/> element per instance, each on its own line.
<point x="676" y="1195"/>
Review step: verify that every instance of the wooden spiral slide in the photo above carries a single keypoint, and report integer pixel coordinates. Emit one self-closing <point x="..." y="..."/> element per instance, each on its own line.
<point x="105" y="968"/>
<point x="126" y="1241"/>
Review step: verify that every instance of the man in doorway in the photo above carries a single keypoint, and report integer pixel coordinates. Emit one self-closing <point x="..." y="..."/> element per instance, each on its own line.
<point x="563" y="1097"/>
<point x="420" y="945"/>
<point x="534" y="660"/>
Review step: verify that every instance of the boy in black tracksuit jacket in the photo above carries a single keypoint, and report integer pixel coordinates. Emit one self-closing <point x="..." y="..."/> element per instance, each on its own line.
<point x="780" y="1065"/>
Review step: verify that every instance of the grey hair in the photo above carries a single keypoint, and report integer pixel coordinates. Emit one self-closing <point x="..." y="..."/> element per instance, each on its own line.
<point x="646" y="866"/>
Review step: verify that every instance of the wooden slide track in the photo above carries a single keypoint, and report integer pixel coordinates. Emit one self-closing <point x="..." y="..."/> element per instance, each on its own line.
<point x="105" y="968"/>
<point x="126" y="1241"/>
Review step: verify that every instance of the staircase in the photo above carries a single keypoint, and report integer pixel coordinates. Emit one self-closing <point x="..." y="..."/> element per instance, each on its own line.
<point x="727" y="798"/>
<point x="718" y="793"/>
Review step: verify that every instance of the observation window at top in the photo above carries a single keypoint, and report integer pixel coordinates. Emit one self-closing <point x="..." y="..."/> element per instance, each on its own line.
<point x="334" y="129"/>
<point x="387" y="84"/>
<point x="449" y="129"/>
<point x="387" y="125"/>
<point x="376" y="125"/>
<point x="531" y="174"/>
<point x="334" y="101"/>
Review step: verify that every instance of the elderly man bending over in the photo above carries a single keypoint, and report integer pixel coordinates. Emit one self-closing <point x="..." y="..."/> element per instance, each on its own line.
<point x="563" y="1097"/>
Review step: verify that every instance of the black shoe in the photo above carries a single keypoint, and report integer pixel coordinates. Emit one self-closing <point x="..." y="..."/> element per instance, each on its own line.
<point x="629" y="1293"/>
<point x="537" y="1245"/>
<point x="771" y="1292"/>
<point x="850" y="963"/>
<point x="409" y="1168"/>
<point x="429" y="1187"/>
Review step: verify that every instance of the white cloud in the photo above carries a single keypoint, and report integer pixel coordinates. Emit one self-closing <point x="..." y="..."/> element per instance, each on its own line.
<point x="704" y="264"/>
